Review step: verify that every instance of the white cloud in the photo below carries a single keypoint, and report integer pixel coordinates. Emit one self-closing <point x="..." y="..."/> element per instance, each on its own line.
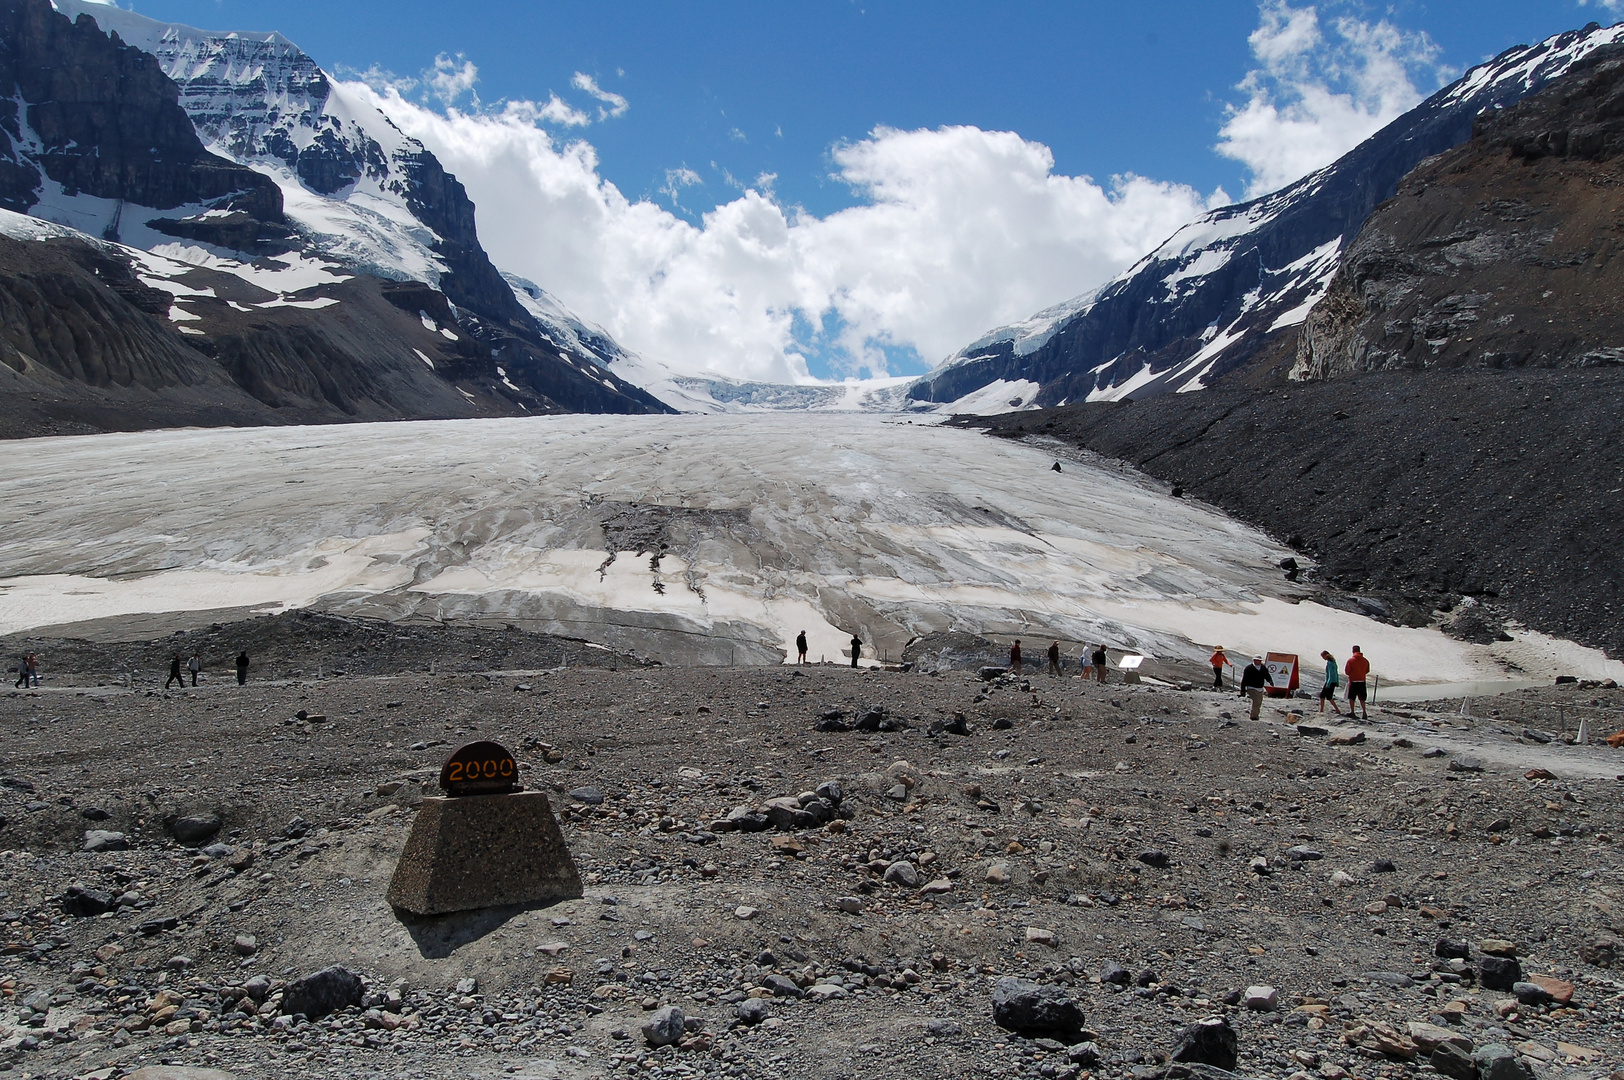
<point x="1317" y="94"/>
<point x="677" y="179"/>
<point x="450" y="78"/>
<point x="556" y="111"/>
<point x="1615" y="6"/>
<point x="612" y="104"/>
<point x="958" y="230"/>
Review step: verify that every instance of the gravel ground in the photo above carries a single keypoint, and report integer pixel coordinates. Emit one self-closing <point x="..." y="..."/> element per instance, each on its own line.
<point x="1078" y="834"/>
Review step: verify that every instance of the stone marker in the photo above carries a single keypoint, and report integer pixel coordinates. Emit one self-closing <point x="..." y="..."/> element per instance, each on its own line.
<point x="471" y="850"/>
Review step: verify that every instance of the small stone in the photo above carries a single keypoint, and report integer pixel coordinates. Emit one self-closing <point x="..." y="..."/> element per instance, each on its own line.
<point x="1497" y="1061"/>
<point x="1455" y="1061"/>
<point x="998" y="873"/>
<point x="904" y="873"/>
<point x="936" y="887"/>
<point x="1304" y="853"/>
<point x="86" y="903"/>
<point x="195" y="829"/>
<point x="1396" y="979"/>
<point x="822" y="992"/>
<point x="751" y="1011"/>
<point x="1561" y="991"/>
<point x="1466" y="763"/>
<point x="1115" y="974"/>
<point x="1428" y="1037"/>
<point x="1499" y="972"/>
<point x="245" y="945"/>
<point x="665" y="1027"/>
<point x="782" y="986"/>
<point x="943" y="1028"/>
<point x="326" y="991"/>
<point x="1496" y="947"/>
<point x="590" y="796"/>
<point x="745" y="911"/>
<point x="1446" y="949"/>
<point x="1038" y="936"/>
<point x="1261" y="998"/>
<point x="1531" y="993"/>
<point x="1375" y="1036"/>
<point x="105" y="840"/>
<point x="1156" y="858"/>
<point x="851" y="905"/>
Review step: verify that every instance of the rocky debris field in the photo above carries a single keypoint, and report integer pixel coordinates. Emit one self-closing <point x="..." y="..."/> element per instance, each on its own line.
<point x="1008" y="877"/>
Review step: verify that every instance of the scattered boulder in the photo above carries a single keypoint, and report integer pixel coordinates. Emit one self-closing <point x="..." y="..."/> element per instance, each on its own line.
<point x="1497" y="1061"/>
<point x="1446" y="949"/>
<point x="942" y="1028"/>
<point x="1036" y="1011"/>
<point x="904" y="873"/>
<point x="1499" y="972"/>
<point x="782" y="986"/>
<point x="664" y="1027"/>
<point x="587" y="794"/>
<point x="1454" y="1061"/>
<point x="86" y="903"/>
<point x="1156" y="858"/>
<point x="326" y="991"/>
<point x="1528" y="993"/>
<point x="1208" y="1042"/>
<point x="1115" y="974"/>
<point x="194" y="829"/>
<point x="105" y="840"/>
<point x="1466" y="763"/>
<point x="751" y="1011"/>
<point x="1261" y="998"/>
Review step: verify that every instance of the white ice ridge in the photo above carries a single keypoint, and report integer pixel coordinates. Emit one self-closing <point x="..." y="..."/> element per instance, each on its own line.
<point x="772" y="525"/>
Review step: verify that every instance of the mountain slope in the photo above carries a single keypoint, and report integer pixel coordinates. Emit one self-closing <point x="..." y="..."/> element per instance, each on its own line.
<point x="353" y="233"/>
<point x="1235" y="285"/>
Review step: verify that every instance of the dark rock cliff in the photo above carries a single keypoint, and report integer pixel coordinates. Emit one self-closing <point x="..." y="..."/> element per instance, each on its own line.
<point x="1503" y="253"/>
<point x="101" y="118"/>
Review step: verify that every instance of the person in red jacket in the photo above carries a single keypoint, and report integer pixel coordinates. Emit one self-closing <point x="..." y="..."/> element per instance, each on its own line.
<point x="1219" y="661"/>
<point x="1015" y="657"/>
<point x="1357" y="668"/>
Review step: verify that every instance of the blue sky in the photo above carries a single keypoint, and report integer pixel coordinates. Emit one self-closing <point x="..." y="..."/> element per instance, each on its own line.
<point x="785" y="100"/>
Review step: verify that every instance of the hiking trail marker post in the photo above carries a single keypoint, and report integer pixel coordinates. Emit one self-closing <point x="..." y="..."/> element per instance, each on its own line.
<point x="485" y="843"/>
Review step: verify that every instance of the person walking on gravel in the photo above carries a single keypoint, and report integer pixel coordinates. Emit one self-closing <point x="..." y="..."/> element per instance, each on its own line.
<point x="33" y="671"/>
<point x="194" y="665"/>
<point x="1332" y="679"/>
<point x="1099" y="661"/>
<point x="1054" y="658"/>
<point x="856" y="649"/>
<point x="174" y="673"/>
<point x="242" y="667"/>
<point x="1015" y="657"/>
<point x="22" y="672"/>
<point x="1358" y="668"/>
<point x="1253" y="679"/>
<point x="800" y="647"/>
<point x="1218" y="661"/>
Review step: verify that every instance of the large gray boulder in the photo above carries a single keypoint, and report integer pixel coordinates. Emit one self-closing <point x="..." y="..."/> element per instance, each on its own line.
<point x="326" y="991"/>
<point x="1035" y="1010"/>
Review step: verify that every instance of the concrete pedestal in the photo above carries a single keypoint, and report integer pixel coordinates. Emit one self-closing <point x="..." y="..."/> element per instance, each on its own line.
<point x="483" y="851"/>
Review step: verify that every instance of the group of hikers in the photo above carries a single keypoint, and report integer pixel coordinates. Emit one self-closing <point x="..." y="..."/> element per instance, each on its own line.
<point x="1256" y="676"/>
<point x="194" y="666"/>
<point x="1095" y="667"/>
<point x="27" y="672"/>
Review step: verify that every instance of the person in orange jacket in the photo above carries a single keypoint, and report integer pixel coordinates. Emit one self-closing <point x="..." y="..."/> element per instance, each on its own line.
<point x="1218" y="662"/>
<point x="1357" y="668"/>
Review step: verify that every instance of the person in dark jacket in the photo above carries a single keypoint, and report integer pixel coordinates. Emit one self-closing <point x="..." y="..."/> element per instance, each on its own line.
<point x="800" y="647"/>
<point x="174" y="673"/>
<point x="242" y="667"/>
<point x="856" y="649"/>
<point x="1253" y="678"/>
<point x="1054" y="658"/>
<point x="1015" y="657"/>
<point x="1100" y="662"/>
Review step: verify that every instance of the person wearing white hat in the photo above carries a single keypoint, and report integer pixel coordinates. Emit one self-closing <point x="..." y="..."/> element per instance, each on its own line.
<point x="1253" y="679"/>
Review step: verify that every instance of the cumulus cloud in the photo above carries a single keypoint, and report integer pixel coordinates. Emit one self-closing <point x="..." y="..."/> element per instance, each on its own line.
<point x="957" y="230"/>
<point x="677" y="179"/>
<point x="612" y="104"/>
<point x="1321" y="90"/>
<point x="450" y="78"/>
<point x="1614" y="6"/>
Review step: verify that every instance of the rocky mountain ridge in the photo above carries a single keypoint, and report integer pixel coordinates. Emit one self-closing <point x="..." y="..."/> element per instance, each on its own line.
<point x="1231" y="289"/>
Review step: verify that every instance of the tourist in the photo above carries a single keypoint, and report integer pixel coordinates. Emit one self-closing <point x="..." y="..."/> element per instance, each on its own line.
<point x="1253" y="679"/>
<point x="242" y="667"/>
<point x="1054" y="658"/>
<point x="33" y="671"/>
<point x="1332" y="679"/>
<point x="174" y="673"/>
<point x="1218" y="661"/>
<point x="856" y="649"/>
<point x="1015" y="657"/>
<point x="1358" y="667"/>
<point x="194" y="665"/>
<point x="800" y="647"/>
<point x="1099" y="660"/>
<point x="22" y="672"/>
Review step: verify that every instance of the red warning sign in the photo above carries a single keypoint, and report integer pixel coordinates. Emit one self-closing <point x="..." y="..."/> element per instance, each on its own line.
<point x="1283" y="670"/>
